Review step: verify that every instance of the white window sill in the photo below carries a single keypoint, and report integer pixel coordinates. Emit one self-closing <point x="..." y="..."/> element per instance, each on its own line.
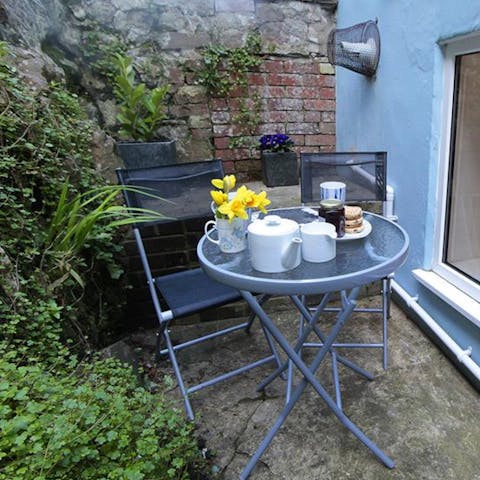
<point x="450" y="294"/>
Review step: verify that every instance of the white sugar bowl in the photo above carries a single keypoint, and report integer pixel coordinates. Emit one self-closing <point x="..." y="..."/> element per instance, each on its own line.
<point x="274" y="244"/>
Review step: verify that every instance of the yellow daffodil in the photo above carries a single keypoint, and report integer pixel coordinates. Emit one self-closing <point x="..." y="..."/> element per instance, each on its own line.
<point x="261" y="201"/>
<point x="249" y="197"/>
<point x="226" y="184"/>
<point x="218" y="197"/>
<point x="243" y="200"/>
<point x="217" y="183"/>
<point x="241" y="193"/>
<point x="234" y="208"/>
<point x="229" y="182"/>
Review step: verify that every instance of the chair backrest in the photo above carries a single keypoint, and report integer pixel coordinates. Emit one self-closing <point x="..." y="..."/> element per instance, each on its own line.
<point x="364" y="174"/>
<point x="179" y="191"/>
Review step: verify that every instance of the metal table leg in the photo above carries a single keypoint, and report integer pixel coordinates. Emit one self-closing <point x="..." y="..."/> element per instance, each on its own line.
<point x="311" y="326"/>
<point x="298" y="345"/>
<point x="306" y="314"/>
<point x="309" y="377"/>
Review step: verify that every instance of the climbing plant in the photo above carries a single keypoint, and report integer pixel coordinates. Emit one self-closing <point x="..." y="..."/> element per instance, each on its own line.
<point x="100" y="51"/>
<point x="247" y="119"/>
<point x="224" y="70"/>
<point x="93" y="423"/>
<point x="62" y="417"/>
<point x="45" y="139"/>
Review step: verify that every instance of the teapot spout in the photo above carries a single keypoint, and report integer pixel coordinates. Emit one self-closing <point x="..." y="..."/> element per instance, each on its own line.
<point x="292" y="256"/>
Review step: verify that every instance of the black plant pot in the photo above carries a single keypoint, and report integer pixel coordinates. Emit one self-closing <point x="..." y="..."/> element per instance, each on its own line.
<point x="147" y="154"/>
<point x="279" y="168"/>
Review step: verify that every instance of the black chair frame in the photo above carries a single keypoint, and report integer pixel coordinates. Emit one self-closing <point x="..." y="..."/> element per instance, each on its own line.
<point x="182" y="193"/>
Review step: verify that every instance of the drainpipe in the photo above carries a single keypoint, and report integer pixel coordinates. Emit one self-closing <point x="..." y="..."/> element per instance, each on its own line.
<point x="388" y="204"/>
<point x="463" y="356"/>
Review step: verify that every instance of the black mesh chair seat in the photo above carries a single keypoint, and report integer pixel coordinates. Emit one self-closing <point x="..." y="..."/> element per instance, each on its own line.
<point x="202" y="292"/>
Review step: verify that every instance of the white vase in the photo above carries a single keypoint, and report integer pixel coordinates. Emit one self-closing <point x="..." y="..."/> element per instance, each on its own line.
<point x="231" y="235"/>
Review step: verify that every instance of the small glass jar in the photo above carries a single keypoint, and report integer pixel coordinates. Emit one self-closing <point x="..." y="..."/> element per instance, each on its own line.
<point x="333" y="212"/>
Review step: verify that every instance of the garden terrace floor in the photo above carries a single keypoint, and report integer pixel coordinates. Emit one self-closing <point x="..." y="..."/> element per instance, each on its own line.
<point x="421" y="411"/>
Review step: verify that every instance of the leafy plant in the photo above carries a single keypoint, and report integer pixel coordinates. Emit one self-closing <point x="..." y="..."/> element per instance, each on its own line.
<point x="224" y="69"/>
<point x="100" y="48"/>
<point x="31" y="328"/>
<point x="60" y="419"/>
<point x="93" y="424"/>
<point x="141" y="109"/>
<point x="86" y="216"/>
<point x="45" y="138"/>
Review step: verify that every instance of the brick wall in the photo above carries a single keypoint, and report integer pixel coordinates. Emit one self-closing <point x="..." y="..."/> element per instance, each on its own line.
<point x="297" y="98"/>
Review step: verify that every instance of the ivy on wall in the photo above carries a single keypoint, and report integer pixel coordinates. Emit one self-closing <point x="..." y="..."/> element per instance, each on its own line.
<point x="60" y="417"/>
<point x="45" y="142"/>
<point x="224" y="70"/>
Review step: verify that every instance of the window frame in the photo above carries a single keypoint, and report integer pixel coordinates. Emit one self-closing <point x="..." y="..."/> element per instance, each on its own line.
<point x="452" y="49"/>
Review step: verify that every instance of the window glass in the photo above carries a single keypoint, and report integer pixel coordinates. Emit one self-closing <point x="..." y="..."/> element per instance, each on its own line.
<point x="461" y="249"/>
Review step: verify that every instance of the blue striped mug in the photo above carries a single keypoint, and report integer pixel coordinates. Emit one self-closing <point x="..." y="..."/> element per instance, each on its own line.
<point x="335" y="190"/>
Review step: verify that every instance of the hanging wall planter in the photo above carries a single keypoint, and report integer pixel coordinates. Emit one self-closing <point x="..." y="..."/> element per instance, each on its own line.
<point x="356" y="48"/>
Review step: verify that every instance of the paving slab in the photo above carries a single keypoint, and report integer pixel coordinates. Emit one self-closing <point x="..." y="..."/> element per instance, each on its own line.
<point x="421" y="411"/>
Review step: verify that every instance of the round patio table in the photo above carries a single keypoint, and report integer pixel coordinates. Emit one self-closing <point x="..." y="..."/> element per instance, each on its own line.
<point x="358" y="261"/>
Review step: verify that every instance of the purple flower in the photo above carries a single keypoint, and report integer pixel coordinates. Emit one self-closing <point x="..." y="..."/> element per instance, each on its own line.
<point x="276" y="143"/>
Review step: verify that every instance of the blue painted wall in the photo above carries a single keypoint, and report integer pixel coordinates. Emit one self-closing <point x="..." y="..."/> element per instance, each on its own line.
<point x="400" y="111"/>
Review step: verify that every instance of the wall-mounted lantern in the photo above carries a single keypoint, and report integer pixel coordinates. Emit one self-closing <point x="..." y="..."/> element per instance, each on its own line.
<point x="356" y="48"/>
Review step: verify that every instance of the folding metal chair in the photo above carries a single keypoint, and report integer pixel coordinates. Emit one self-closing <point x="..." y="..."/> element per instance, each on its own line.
<point x="185" y="194"/>
<point x="364" y="174"/>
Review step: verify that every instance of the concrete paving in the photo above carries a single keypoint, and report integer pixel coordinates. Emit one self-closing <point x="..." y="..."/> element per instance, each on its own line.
<point x="420" y="411"/>
<point x="280" y="197"/>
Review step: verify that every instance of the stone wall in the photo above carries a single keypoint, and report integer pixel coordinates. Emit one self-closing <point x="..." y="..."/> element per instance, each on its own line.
<point x="164" y="37"/>
<point x="294" y="83"/>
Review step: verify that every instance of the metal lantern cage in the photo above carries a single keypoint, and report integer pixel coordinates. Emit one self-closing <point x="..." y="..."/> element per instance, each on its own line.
<point x="356" y="48"/>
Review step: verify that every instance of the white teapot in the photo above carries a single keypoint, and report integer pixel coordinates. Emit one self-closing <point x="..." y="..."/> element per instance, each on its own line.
<point x="319" y="243"/>
<point x="274" y="244"/>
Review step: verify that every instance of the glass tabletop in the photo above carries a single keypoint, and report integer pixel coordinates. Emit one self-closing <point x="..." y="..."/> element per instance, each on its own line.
<point x="357" y="262"/>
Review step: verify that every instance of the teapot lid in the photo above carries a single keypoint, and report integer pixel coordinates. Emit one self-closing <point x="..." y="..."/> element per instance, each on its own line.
<point x="273" y="225"/>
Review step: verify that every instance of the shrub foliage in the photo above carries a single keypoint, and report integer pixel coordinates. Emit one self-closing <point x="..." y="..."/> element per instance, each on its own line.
<point x="45" y="142"/>
<point x="92" y="425"/>
<point x="61" y="418"/>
